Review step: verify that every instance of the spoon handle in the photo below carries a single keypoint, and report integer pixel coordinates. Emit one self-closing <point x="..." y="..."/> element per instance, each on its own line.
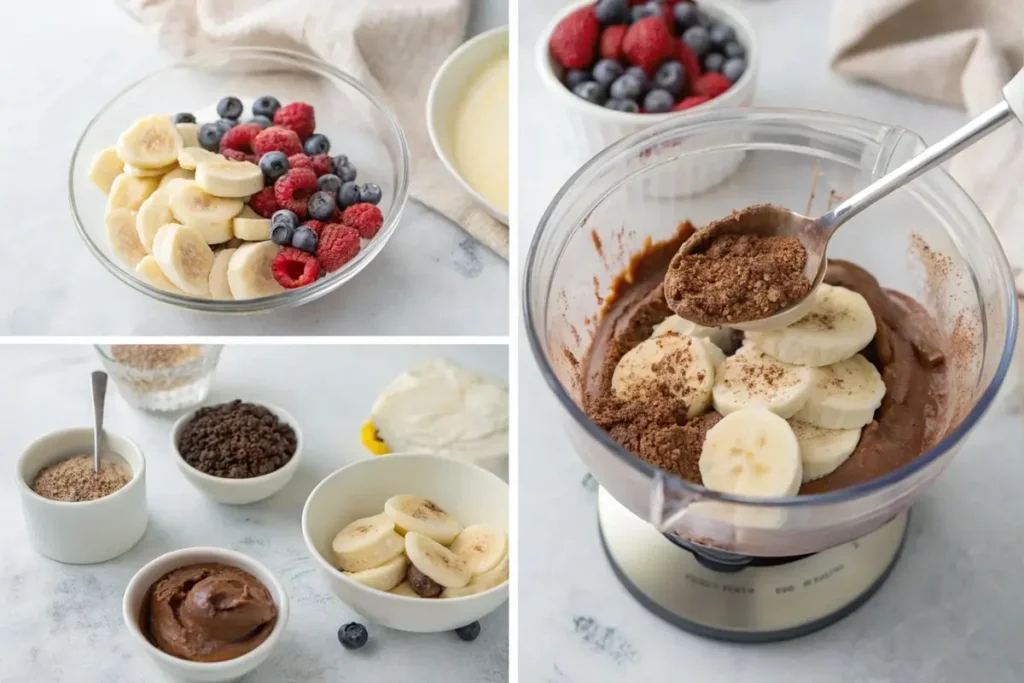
<point x="99" y="396"/>
<point x="1010" y="108"/>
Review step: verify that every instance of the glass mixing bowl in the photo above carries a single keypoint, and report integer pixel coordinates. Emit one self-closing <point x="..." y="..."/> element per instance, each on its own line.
<point x="928" y="240"/>
<point x="355" y="121"/>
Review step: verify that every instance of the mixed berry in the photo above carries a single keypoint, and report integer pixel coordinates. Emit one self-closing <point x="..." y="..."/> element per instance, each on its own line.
<point x="647" y="56"/>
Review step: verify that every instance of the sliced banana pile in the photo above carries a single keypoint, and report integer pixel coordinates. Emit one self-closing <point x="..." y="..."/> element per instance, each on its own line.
<point x="175" y="213"/>
<point x="416" y="549"/>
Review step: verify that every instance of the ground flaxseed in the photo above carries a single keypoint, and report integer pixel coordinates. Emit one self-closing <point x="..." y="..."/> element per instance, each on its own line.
<point x="75" y="481"/>
<point x="155" y="356"/>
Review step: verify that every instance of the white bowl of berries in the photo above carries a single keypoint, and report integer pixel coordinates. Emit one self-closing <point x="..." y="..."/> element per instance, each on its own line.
<point x="615" y="67"/>
<point x="240" y="180"/>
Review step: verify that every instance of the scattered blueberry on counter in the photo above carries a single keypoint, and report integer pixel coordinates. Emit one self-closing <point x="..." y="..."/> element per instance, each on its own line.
<point x="470" y="632"/>
<point x="353" y="636"/>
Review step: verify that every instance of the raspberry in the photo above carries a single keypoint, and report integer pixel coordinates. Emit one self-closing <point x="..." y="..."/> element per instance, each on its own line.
<point x="648" y="43"/>
<point x="292" y="190"/>
<point x="611" y="42"/>
<point x="336" y="216"/>
<point x="322" y="164"/>
<point x="295" y="268"/>
<point x="338" y="245"/>
<point x="240" y="138"/>
<point x="299" y="117"/>
<point x="236" y="155"/>
<point x="690" y="102"/>
<point x="574" y="40"/>
<point x="277" y="139"/>
<point x="264" y="203"/>
<point x="711" y="85"/>
<point x="300" y="161"/>
<point x="364" y="217"/>
<point x="690" y="63"/>
<point x="315" y="226"/>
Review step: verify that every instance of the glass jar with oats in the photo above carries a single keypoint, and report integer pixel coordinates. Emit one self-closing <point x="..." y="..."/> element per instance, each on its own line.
<point x="161" y="377"/>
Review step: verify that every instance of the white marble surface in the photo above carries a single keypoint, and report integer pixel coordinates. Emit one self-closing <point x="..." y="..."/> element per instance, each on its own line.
<point x="71" y="59"/>
<point x="62" y="623"/>
<point x="952" y="610"/>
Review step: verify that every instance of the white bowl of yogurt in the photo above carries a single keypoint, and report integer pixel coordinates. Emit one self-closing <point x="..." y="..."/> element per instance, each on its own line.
<point x="467" y="117"/>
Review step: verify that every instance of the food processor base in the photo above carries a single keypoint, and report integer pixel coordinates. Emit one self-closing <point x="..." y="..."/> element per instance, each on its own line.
<point x="763" y="602"/>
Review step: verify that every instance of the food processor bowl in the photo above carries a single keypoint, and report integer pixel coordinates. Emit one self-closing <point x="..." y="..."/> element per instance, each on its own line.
<point x="927" y="240"/>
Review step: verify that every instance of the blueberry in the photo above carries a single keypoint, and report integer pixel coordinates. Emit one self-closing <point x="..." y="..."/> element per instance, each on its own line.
<point x="316" y="144"/>
<point x="721" y="34"/>
<point x="274" y="165"/>
<point x="591" y="91"/>
<point x="284" y="217"/>
<point x="282" y="235"/>
<point x="713" y="61"/>
<point x="623" y="105"/>
<point x="344" y="169"/>
<point x="697" y="39"/>
<point x="370" y="193"/>
<point x="639" y="74"/>
<point x="576" y="76"/>
<point x="261" y="121"/>
<point x="686" y="15"/>
<point x="612" y="11"/>
<point x="470" y="632"/>
<point x="321" y="206"/>
<point x="658" y="101"/>
<point x="348" y="195"/>
<point x="734" y="49"/>
<point x="353" y="636"/>
<point x="209" y="136"/>
<point x="606" y="71"/>
<point x="650" y="9"/>
<point x="266" y="106"/>
<point x="229" y="108"/>
<point x="184" y="117"/>
<point x="627" y="87"/>
<point x="226" y="124"/>
<point x="733" y="68"/>
<point x="329" y="183"/>
<point x="305" y="239"/>
<point x="671" y="76"/>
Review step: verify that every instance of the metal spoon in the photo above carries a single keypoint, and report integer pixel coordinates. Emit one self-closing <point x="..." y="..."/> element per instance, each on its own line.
<point x="99" y="397"/>
<point x="815" y="233"/>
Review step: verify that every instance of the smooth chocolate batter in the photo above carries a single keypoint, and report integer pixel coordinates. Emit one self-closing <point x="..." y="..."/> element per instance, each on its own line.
<point x="654" y="428"/>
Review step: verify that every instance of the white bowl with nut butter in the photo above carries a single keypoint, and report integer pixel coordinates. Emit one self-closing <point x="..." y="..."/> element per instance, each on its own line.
<point x="468" y="118"/>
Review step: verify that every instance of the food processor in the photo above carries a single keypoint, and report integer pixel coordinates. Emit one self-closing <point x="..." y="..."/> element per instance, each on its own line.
<point x="729" y="566"/>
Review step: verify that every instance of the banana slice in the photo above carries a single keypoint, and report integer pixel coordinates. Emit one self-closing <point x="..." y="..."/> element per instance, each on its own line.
<point x="483" y="582"/>
<point x="184" y="257"/>
<point x="190" y="157"/>
<point x="823" y="450"/>
<point x="250" y="271"/>
<point x="149" y="270"/>
<point x="384" y="577"/>
<point x="229" y="178"/>
<point x="683" y="327"/>
<point x="415" y="513"/>
<point x="436" y="561"/>
<point x="749" y="378"/>
<point x="404" y="589"/>
<point x="672" y="363"/>
<point x="752" y="452"/>
<point x="844" y="396"/>
<point x="128" y="192"/>
<point x="367" y="543"/>
<point x="124" y="241"/>
<point x="149" y="172"/>
<point x="839" y="325"/>
<point x="219" y="287"/>
<point x="189" y="133"/>
<point x="177" y="174"/>
<point x="251" y="226"/>
<point x="154" y="214"/>
<point x="715" y="353"/>
<point x="151" y="142"/>
<point x="105" y="167"/>
<point x="481" y="547"/>
<point x="194" y="206"/>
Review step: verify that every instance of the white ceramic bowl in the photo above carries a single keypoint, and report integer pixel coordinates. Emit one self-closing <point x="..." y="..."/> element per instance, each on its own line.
<point x="589" y="128"/>
<point x="447" y="89"/>
<point x="204" y="672"/>
<point x="239" y="491"/>
<point x="471" y="494"/>
<point x="91" y="531"/>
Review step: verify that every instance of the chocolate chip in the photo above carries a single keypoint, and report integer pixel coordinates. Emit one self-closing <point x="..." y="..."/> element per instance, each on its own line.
<point x="236" y="440"/>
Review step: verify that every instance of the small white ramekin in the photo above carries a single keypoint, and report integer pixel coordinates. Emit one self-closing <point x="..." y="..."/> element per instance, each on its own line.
<point x="91" y="531"/>
<point x="203" y="672"/>
<point x="469" y="493"/>
<point x="239" y="491"/>
<point x="589" y="128"/>
<point x="448" y="87"/>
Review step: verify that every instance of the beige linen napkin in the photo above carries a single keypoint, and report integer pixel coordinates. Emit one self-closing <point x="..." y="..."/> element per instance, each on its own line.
<point x="392" y="46"/>
<point x="960" y="52"/>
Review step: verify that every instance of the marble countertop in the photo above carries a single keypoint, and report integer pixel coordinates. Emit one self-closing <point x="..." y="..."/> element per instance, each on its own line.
<point x="63" y="623"/>
<point x="951" y="610"/>
<point x="63" y="77"/>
